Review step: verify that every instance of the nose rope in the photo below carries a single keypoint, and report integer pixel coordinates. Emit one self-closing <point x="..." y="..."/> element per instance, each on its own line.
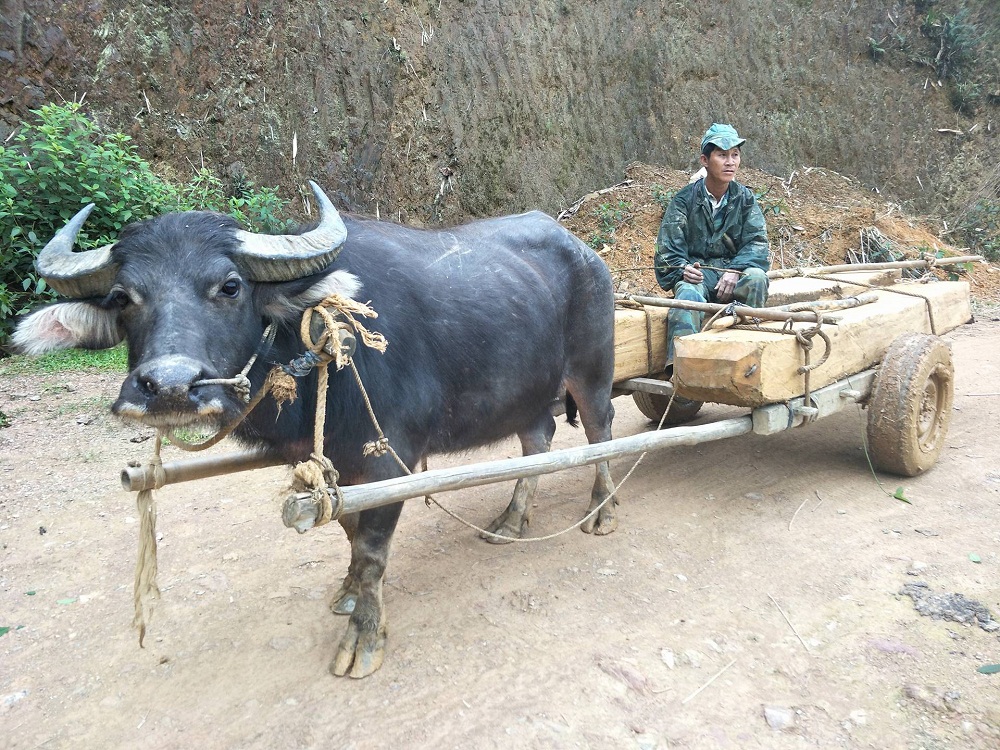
<point x="335" y="346"/>
<point x="241" y="383"/>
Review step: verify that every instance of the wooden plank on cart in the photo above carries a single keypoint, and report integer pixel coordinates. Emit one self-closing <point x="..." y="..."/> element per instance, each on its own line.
<point x="636" y="354"/>
<point x="751" y="368"/>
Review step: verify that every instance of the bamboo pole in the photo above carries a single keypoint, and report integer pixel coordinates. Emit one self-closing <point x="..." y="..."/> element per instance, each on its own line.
<point x="764" y="313"/>
<point x="785" y="273"/>
<point x="374" y="494"/>
<point x="824" y="305"/>
<point x="138" y="478"/>
<point x="829" y="304"/>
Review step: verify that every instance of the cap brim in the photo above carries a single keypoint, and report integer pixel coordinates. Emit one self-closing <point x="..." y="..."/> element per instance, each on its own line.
<point x="727" y="143"/>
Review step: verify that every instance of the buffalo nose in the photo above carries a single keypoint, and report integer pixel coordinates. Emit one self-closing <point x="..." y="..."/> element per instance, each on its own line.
<point x="168" y="378"/>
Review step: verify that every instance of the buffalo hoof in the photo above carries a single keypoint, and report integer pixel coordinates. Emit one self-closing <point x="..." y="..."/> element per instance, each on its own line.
<point x="601" y="524"/>
<point x="360" y="652"/>
<point x="510" y="530"/>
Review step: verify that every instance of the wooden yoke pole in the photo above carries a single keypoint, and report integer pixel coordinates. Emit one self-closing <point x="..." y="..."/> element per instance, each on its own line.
<point x="137" y="478"/>
<point x="374" y="494"/>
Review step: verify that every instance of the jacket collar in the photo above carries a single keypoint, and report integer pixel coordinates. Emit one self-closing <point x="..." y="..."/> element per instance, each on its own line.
<point x="702" y="192"/>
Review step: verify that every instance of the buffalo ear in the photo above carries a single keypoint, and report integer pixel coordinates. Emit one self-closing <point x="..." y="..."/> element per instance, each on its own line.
<point x="67" y="325"/>
<point x="288" y="300"/>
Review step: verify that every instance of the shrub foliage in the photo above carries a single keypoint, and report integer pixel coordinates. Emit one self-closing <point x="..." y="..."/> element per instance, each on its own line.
<point x="980" y="228"/>
<point x="61" y="162"/>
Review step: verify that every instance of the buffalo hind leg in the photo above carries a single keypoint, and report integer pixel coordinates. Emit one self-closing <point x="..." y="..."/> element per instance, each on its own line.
<point x="596" y="414"/>
<point x="362" y="648"/>
<point x="605" y="520"/>
<point x="513" y="521"/>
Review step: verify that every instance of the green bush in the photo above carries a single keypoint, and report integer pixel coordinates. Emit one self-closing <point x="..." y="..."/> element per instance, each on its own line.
<point x="956" y="40"/>
<point x="53" y="167"/>
<point x="609" y="218"/>
<point x="661" y="195"/>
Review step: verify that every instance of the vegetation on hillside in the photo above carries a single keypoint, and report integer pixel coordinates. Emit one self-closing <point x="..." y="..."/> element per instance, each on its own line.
<point x="956" y="48"/>
<point x="64" y="160"/>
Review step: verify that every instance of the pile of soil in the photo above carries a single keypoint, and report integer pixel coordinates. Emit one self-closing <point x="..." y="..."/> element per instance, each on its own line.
<point x="814" y="217"/>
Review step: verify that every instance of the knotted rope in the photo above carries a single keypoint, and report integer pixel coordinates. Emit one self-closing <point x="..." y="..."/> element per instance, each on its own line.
<point x="334" y="343"/>
<point x="804" y="337"/>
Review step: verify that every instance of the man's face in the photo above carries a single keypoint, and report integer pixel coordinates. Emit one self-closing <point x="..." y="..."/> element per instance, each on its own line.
<point x="722" y="165"/>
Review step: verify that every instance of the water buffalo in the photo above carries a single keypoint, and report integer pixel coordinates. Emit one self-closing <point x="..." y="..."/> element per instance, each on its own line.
<point x="489" y="325"/>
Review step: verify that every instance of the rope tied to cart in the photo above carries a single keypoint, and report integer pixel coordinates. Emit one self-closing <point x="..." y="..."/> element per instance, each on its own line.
<point x="743" y="317"/>
<point x="803" y="336"/>
<point x="932" y="263"/>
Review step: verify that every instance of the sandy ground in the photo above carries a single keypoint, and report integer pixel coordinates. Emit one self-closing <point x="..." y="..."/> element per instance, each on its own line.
<point x="580" y="641"/>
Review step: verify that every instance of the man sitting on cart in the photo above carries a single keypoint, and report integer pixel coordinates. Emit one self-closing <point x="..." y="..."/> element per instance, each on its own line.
<point x="712" y="245"/>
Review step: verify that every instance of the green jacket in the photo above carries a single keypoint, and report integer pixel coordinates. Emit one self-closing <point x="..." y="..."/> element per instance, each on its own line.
<point x="687" y="234"/>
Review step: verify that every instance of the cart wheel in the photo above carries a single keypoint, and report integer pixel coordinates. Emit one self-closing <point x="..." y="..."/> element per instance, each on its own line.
<point x="652" y="405"/>
<point x="910" y="407"/>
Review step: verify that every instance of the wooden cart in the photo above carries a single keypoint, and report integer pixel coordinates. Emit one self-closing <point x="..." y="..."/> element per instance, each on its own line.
<point x="885" y="354"/>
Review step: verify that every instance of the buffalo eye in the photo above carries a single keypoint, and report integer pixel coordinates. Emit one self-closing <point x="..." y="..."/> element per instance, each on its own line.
<point x="230" y="288"/>
<point x="118" y="298"/>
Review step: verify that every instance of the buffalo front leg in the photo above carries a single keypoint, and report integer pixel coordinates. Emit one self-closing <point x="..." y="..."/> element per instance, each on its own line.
<point x="514" y="520"/>
<point x="344" y="600"/>
<point x="362" y="648"/>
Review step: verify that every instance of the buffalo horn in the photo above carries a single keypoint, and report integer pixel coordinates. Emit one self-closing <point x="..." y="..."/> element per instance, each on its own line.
<point x="286" y="257"/>
<point x="88" y="273"/>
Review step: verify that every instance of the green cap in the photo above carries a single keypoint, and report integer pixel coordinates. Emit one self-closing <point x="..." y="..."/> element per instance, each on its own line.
<point x="722" y="135"/>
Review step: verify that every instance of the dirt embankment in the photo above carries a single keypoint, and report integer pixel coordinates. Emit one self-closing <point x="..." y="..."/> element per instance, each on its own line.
<point x="430" y="111"/>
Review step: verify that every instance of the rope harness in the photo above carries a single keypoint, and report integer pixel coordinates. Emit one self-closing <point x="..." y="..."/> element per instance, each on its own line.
<point x="334" y="341"/>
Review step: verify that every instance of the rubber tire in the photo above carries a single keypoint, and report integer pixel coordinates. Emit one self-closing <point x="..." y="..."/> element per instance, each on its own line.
<point x="652" y="406"/>
<point x="910" y="407"/>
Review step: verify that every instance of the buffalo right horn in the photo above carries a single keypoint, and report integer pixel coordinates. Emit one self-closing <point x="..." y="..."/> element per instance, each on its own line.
<point x="88" y="273"/>
<point x="284" y="257"/>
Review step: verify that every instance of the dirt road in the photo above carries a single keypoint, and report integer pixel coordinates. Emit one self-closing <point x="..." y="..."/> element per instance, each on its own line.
<point x="763" y="572"/>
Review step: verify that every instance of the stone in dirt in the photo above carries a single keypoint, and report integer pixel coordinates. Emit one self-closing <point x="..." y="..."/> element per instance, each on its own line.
<point x="954" y="607"/>
<point x="779" y="717"/>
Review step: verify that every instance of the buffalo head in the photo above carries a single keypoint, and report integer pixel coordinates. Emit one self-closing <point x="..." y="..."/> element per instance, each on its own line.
<point x="191" y="294"/>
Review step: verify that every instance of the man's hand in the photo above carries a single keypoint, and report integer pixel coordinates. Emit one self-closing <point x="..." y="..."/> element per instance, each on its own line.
<point x="726" y="286"/>
<point x="693" y="274"/>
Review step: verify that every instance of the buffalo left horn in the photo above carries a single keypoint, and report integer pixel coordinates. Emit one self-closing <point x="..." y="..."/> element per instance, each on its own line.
<point x="284" y="257"/>
<point x="88" y="273"/>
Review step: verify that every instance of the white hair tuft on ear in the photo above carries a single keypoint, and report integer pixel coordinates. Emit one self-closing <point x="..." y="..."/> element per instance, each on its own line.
<point x="67" y="325"/>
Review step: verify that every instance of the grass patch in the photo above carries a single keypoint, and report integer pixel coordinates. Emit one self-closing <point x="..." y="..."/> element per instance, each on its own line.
<point x="68" y="360"/>
<point x="89" y="405"/>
